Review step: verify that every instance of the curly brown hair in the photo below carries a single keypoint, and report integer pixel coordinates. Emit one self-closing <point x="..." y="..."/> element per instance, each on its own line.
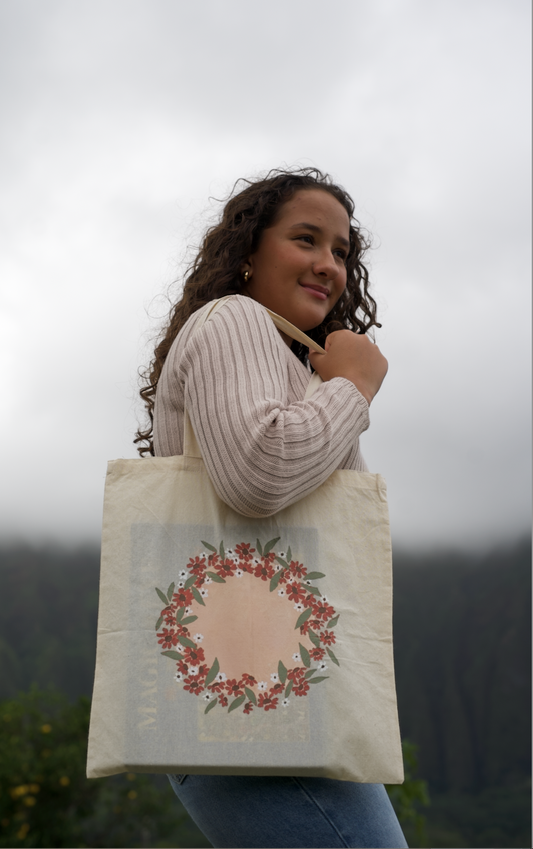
<point x="216" y="270"/>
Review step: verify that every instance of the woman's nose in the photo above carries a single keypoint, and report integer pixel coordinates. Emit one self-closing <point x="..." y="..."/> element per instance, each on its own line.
<point x="325" y="265"/>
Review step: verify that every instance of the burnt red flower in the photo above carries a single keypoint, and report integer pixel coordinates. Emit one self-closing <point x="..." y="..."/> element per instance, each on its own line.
<point x="194" y="656"/>
<point x="193" y="685"/>
<point x="248" y="707"/>
<point x="249" y="680"/>
<point x="317" y="653"/>
<point x="234" y="687"/>
<point x="183" y="597"/>
<point x="297" y="569"/>
<point x="301" y="688"/>
<point x="167" y="638"/>
<point x="323" y="610"/>
<point x="276" y="689"/>
<point x="222" y="700"/>
<point x="226" y="569"/>
<point x="267" y="703"/>
<point x="182" y="667"/>
<point x="264" y="570"/>
<point x="244" y="550"/>
<point x="296" y="674"/>
<point x="295" y="592"/>
<point x="213" y="560"/>
<point x="216" y="686"/>
<point x="197" y="565"/>
<point x="328" y="637"/>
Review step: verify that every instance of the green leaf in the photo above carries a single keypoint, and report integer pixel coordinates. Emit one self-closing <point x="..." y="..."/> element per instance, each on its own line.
<point x="198" y="597"/>
<point x="332" y="656"/>
<point x="236" y="703"/>
<point x="212" y="704"/>
<point x="170" y="591"/>
<point x="190" y="581"/>
<point x="282" y="672"/>
<point x="173" y="655"/>
<point x="179" y="614"/>
<point x="216" y="578"/>
<point x="315" y="639"/>
<point x="270" y="545"/>
<point x="304" y="654"/>
<point x="289" y="554"/>
<point x="275" y="580"/>
<point x="213" y="672"/>
<point x="207" y="545"/>
<point x="282" y="562"/>
<point x="313" y="590"/>
<point x="303" y="617"/>
<point x="314" y="576"/>
<point x="162" y="596"/>
<point x="188" y="620"/>
<point x="259" y="547"/>
<point x="309" y="673"/>
<point x="158" y="623"/>
<point x="288" y="688"/>
<point x="186" y="642"/>
<point x="250" y="695"/>
<point x="319" y="679"/>
<point x="222" y="552"/>
<point x="333" y="622"/>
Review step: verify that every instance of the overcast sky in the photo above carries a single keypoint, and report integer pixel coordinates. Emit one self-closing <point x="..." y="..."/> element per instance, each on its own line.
<point x="121" y="118"/>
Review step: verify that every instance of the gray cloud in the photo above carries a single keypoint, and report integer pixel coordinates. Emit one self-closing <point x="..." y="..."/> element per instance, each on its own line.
<point x="122" y="119"/>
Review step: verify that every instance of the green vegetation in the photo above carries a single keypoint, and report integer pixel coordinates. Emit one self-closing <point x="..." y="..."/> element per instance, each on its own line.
<point x="46" y="800"/>
<point x="463" y="659"/>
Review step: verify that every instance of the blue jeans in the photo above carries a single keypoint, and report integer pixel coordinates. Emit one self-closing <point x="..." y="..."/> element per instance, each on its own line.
<point x="273" y="811"/>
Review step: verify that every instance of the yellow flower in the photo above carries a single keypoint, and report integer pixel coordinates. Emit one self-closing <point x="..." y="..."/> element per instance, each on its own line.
<point x="34" y="788"/>
<point x="21" y="790"/>
<point x="64" y="781"/>
<point x="131" y="776"/>
<point x="132" y="794"/>
<point x="46" y="728"/>
<point x="30" y="801"/>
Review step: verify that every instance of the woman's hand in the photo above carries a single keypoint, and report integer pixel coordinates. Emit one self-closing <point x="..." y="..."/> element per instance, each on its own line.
<point x="355" y="357"/>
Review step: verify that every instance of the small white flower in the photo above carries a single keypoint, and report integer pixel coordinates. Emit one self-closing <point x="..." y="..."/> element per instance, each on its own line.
<point x="198" y="638"/>
<point x="179" y="648"/>
<point x="230" y="552"/>
<point x="188" y="611"/>
<point x="322" y="665"/>
<point x="207" y="581"/>
<point x="207" y="697"/>
<point x="239" y="573"/>
<point x="256" y="561"/>
<point x="282" y="554"/>
<point x="281" y="592"/>
<point x="276" y="566"/>
<point x="308" y="582"/>
<point x="203" y="592"/>
<point x="181" y="584"/>
<point x="202" y="555"/>
<point x="183" y="575"/>
<point x="262" y="685"/>
<point x="221" y="677"/>
<point x="178" y="676"/>
<point x="274" y="677"/>
<point x="193" y="670"/>
<point x="325" y="599"/>
<point x="285" y="702"/>
<point x="299" y="606"/>
<point x="296" y="657"/>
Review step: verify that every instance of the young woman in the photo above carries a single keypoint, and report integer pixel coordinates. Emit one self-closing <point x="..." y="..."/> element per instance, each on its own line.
<point x="289" y="243"/>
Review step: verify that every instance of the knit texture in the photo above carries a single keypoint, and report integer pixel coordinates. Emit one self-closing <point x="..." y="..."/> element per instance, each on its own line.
<point x="264" y="447"/>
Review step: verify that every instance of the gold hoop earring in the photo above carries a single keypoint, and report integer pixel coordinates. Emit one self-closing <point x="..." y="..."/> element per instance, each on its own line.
<point x="246" y="276"/>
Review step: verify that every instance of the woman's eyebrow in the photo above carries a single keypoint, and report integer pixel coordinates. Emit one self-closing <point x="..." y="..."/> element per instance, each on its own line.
<point x="316" y="229"/>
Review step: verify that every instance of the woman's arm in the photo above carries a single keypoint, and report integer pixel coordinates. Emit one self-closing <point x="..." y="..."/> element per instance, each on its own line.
<point x="262" y="453"/>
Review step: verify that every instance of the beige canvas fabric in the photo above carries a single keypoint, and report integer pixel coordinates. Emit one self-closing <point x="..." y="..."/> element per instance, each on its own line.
<point x="235" y="645"/>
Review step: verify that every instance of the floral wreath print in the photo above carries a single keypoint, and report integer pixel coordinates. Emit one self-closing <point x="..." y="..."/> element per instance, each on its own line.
<point x="316" y="619"/>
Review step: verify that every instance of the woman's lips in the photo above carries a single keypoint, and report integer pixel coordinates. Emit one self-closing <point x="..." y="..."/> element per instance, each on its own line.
<point x="318" y="291"/>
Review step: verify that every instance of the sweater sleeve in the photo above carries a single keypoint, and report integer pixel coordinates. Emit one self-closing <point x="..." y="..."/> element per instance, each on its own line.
<point x="261" y="452"/>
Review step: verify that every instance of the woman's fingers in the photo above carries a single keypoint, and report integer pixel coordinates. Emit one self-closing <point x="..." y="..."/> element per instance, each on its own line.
<point x="354" y="357"/>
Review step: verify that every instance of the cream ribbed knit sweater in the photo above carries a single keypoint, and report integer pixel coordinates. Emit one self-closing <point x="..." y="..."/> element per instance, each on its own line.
<point x="263" y="446"/>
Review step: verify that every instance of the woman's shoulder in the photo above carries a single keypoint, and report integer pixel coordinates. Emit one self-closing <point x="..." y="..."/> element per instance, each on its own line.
<point x="239" y="316"/>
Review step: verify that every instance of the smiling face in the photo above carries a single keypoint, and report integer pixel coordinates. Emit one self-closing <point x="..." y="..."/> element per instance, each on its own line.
<point x="299" y="267"/>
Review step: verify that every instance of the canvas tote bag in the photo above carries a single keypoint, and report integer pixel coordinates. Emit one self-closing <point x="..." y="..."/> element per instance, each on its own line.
<point x="230" y="645"/>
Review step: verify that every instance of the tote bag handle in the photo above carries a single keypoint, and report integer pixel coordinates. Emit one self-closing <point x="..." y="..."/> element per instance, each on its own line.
<point x="190" y="445"/>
